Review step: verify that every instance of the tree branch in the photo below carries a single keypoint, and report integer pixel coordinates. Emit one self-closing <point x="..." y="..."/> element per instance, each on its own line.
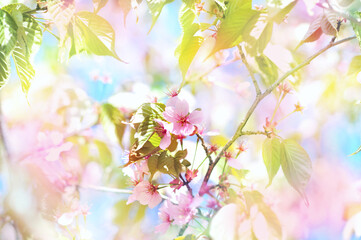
<point x="113" y="190"/>
<point x="205" y="148"/>
<point x="259" y="98"/>
<point x="249" y="68"/>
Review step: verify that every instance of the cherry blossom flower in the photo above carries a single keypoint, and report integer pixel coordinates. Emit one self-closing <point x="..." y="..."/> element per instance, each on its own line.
<point x="177" y="113"/>
<point x="232" y="162"/>
<point x="186" y="208"/>
<point x="176" y="184"/>
<point x="242" y="147"/>
<point x="52" y="144"/>
<point x="213" y="148"/>
<point x="136" y="171"/>
<point x="163" y="131"/>
<point x="146" y="193"/>
<point x="191" y="174"/>
<point x="165" y="215"/>
<point x="270" y="126"/>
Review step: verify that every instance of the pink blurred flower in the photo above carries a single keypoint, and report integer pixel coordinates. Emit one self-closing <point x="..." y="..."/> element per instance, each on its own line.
<point x="163" y="131"/>
<point x="165" y="215"/>
<point x="177" y="113"/>
<point x="186" y="208"/>
<point x="52" y="144"/>
<point x="146" y="193"/>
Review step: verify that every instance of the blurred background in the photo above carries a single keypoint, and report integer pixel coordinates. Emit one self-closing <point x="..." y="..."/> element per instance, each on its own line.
<point x="63" y="106"/>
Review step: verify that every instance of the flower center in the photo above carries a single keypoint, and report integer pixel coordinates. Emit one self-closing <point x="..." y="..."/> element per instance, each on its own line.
<point x="183" y="120"/>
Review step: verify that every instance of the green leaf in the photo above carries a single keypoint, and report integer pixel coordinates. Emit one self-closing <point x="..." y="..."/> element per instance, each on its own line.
<point x="181" y="154"/>
<point x="155" y="7"/>
<point x="239" y="14"/>
<point x="257" y="36"/>
<point x="169" y="165"/>
<point x="105" y="155"/>
<point x="111" y="118"/>
<point x="92" y="34"/>
<point x="29" y="37"/>
<point x="148" y="110"/>
<point x="279" y="16"/>
<point x="296" y="165"/>
<point x="153" y="164"/>
<point x="8" y="33"/>
<point x="268" y="68"/>
<point x="271" y="151"/>
<point x="355" y="66"/>
<point x="144" y="132"/>
<point x="155" y="140"/>
<point x="24" y="68"/>
<point x="4" y="69"/>
<point x="99" y="4"/>
<point x="16" y="6"/>
<point x="190" y="44"/>
<point x="33" y="34"/>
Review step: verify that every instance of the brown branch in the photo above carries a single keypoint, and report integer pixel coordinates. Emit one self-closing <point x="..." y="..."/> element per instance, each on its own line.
<point x="205" y="148"/>
<point x="186" y="183"/>
<point x="259" y="98"/>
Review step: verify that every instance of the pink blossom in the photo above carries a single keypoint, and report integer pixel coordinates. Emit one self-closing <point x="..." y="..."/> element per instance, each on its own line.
<point x="186" y="209"/>
<point x="177" y="113"/>
<point x="165" y="215"/>
<point x="163" y="131"/>
<point x="176" y="184"/>
<point x="146" y="193"/>
<point x="136" y="171"/>
<point x="52" y="144"/>
<point x="191" y="174"/>
<point x="232" y="162"/>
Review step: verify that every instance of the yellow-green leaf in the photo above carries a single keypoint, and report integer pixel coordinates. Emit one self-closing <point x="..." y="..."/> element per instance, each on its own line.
<point x="94" y="35"/>
<point x="99" y="4"/>
<point x="238" y="15"/>
<point x="4" y="69"/>
<point x="8" y="33"/>
<point x="296" y="165"/>
<point x="271" y="150"/>
<point x="355" y="65"/>
<point x="155" y="7"/>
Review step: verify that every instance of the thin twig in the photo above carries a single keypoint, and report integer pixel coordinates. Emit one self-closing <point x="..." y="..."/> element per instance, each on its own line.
<point x="205" y="148"/>
<point x="259" y="98"/>
<point x="186" y="183"/>
<point x="254" y="133"/>
<point x="249" y="68"/>
<point x="114" y="190"/>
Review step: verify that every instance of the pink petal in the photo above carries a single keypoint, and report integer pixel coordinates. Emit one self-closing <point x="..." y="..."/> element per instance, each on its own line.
<point x="232" y="162"/>
<point x="162" y="228"/>
<point x="187" y="129"/>
<point x="172" y="102"/>
<point x="154" y="200"/>
<point x="166" y="140"/>
<point x="170" y="115"/>
<point x="182" y="108"/>
<point x="195" y="117"/>
<point x="177" y="129"/>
